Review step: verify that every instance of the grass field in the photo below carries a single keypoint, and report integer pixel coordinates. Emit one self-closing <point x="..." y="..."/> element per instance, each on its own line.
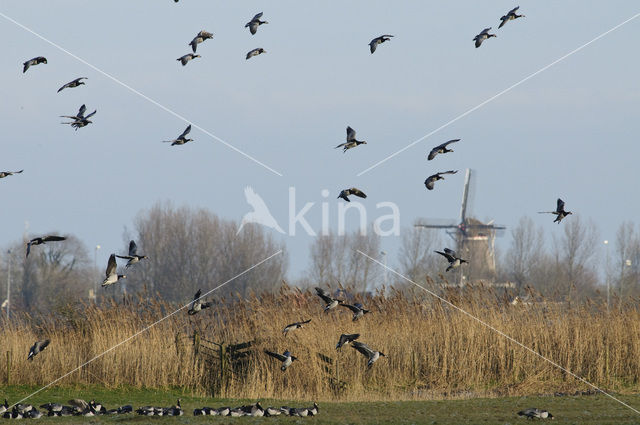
<point x="594" y="409"/>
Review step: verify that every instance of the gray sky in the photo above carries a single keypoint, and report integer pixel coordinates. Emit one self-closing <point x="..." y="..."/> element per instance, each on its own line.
<point x="568" y="132"/>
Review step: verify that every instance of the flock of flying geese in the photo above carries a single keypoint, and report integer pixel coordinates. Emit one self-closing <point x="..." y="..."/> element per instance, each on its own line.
<point x="80" y="120"/>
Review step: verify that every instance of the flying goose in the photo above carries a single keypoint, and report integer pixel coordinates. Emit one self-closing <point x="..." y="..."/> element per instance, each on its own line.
<point x="367" y="352"/>
<point x="294" y="326"/>
<point x="353" y="191"/>
<point x="330" y="302"/>
<point x="482" y="37"/>
<point x="254" y="23"/>
<point x="378" y="40"/>
<point x="452" y="258"/>
<point x="133" y="256"/>
<point x="351" y="141"/>
<point x="197" y="305"/>
<point x="112" y="275"/>
<point x="510" y="16"/>
<point x="441" y="149"/>
<point x="560" y="213"/>
<point x="42" y="240"/>
<point x="37" y="347"/>
<point x="71" y="84"/>
<point x="4" y="174"/>
<point x="533" y="412"/>
<point x="199" y="38"/>
<point x="186" y="58"/>
<point x="255" y="52"/>
<point x="431" y="180"/>
<point x="79" y="120"/>
<point x="180" y="140"/>
<point x="31" y="62"/>
<point x="286" y="358"/>
<point x="357" y="309"/>
<point x="346" y="339"/>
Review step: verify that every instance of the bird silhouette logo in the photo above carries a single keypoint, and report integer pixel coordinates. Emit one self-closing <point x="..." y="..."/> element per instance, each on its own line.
<point x="260" y="213"/>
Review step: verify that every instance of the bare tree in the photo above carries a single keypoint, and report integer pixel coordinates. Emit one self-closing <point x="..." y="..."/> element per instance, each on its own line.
<point x="627" y="256"/>
<point x="525" y="253"/>
<point x="416" y="257"/>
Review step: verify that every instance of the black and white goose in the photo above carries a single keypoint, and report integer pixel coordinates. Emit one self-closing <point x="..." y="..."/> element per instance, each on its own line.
<point x="199" y="38"/>
<point x="431" y="180"/>
<point x="330" y="302"/>
<point x="71" y="84"/>
<point x="373" y="44"/>
<point x="351" y="141"/>
<point x="111" y="275"/>
<point x="197" y="305"/>
<point x="346" y="339"/>
<point x="294" y="326"/>
<point x="255" y="52"/>
<point x="79" y="120"/>
<point x="510" y="16"/>
<point x="32" y="62"/>
<point x="453" y="258"/>
<point x="534" y="412"/>
<point x="133" y="256"/>
<point x="286" y="358"/>
<point x="4" y="174"/>
<point x="560" y="213"/>
<point x="181" y="139"/>
<point x="441" y="149"/>
<point x="4" y="407"/>
<point x="483" y="36"/>
<point x="42" y="240"/>
<point x="370" y="354"/>
<point x="313" y="410"/>
<point x="36" y="348"/>
<point x="254" y="23"/>
<point x="357" y="309"/>
<point x="344" y="194"/>
<point x="173" y="410"/>
<point x="186" y="58"/>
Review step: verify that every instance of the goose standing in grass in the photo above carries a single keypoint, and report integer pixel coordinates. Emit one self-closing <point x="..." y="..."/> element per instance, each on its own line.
<point x="286" y="358"/>
<point x="133" y="256"/>
<point x="4" y="407"/>
<point x="79" y="120"/>
<point x="4" y="174"/>
<point x="441" y="149"/>
<point x="483" y="36"/>
<point x="357" y="309"/>
<point x="346" y="339"/>
<point x="351" y="141"/>
<point x="42" y="240"/>
<point x="199" y="38"/>
<point x="111" y="274"/>
<point x="71" y="84"/>
<point x="344" y="194"/>
<point x="373" y="45"/>
<point x="32" y="62"/>
<point x="197" y="305"/>
<point x="330" y="302"/>
<point x="560" y="213"/>
<point x="370" y="354"/>
<point x="313" y="410"/>
<point x="453" y="258"/>
<point x="186" y="58"/>
<point x="254" y="23"/>
<point x="535" y="413"/>
<point x="510" y="16"/>
<point x="294" y="326"/>
<point x="181" y="139"/>
<point x="431" y="180"/>
<point x="36" y="348"/>
<point x="174" y="410"/>
<point x="255" y="52"/>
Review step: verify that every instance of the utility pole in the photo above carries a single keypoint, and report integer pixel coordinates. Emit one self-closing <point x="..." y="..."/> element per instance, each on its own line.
<point x="606" y="273"/>
<point x="8" y="282"/>
<point x="95" y="281"/>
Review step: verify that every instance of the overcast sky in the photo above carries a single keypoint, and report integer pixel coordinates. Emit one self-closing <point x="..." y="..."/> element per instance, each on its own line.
<point x="568" y="132"/>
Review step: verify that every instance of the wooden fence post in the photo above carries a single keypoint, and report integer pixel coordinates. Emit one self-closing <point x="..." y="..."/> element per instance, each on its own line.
<point x="223" y="365"/>
<point x="8" y="367"/>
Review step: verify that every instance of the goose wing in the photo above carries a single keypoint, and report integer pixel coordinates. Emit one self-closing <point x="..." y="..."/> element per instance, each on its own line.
<point x="185" y="132"/>
<point x="276" y="355"/>
<point x="451" y="252"/>
<point x="133" y="249"/>
<point x="253" y="27"/>
<point x="357" y="192"/>
<point x="81" y="111"/>
<point x="446" y="255"/>
<point x="430" y="181"/>
<point x="323" y="294"/>
<point x="353" y="308"/>
<point x="300" y="323"/>
<point x="512" y="11"/>
<point x="111" y="265"/>
<point x="447" y="172"/>
<point x="363" y="348"/>
<point x="560" y="206"/>
<point x="53" y="238"/>
<point x="258" y="16"/>
<point x="351" y="134"/>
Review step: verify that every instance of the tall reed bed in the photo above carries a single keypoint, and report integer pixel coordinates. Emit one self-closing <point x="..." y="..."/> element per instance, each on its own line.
<point x="432" y="349"/>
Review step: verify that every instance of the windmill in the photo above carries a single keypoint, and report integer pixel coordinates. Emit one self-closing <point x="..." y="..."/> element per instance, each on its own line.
<point x="475" y="240"/>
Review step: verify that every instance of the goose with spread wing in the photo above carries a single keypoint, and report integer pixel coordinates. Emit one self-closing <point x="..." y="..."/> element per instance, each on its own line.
<point x="351" y="141"/>
<point x="352" y="191"/>
<point x="346" y="339"/>
<point x="431" y="180"/>
<point x="373" y="44"/>
<point x="510" y="16"/>
<point x="560" y="212"/>
<point x="441" y="149"/>
<point x="133" y="256"/>
<point x="188" y="57"/>
<point x="37" y="347"/>
<point x="370" y="354"/>
<point x="483" y="36"/>
<point x="111" y="275"/>
<point x="199" y="38"/>
<point x="197" y="305"/>
<point x="75" y="83"/>
<point x="181" y="139"/>
<point x="31" y="62"/>
<point x="294" y="326"/>
<point x="254" y="23"/>
<point x="42" y="240"/>
<point x="286" y="358"/>
<point x="330" y="302"/>
<point x="4" y="174"/>
<point x="357" y="309"/>
<point x="452" y="257"/>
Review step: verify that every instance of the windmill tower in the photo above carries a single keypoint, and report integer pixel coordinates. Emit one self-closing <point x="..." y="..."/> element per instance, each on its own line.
<point x="475" y="241"/>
